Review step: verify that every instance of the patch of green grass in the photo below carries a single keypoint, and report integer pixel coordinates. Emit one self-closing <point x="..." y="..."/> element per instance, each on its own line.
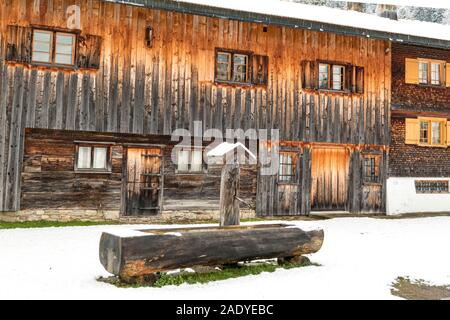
<point x="225" y="273"/>
<point x="50" y="224"/>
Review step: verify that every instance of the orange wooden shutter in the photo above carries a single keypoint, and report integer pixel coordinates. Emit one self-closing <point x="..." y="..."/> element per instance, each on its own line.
<point x="411" y="71"/>
<point x="447" y="74"/>
<point x="448" y="133"/>
<point x="412" y="131"/>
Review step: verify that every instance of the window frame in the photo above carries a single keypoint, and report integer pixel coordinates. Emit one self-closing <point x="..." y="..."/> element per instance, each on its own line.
<point x="430" y="63"/>
<point x="418" y="191"/>
<point x="443" y="131"/>
<point x="191" y="151"/>
<point x="54" y="33"/>
<point x="92" y="146"/>
<point x="330" y="84"/>
<point x="293" y="176"/>
<point x="232" y="53"/>
<point x="372" y="179"/>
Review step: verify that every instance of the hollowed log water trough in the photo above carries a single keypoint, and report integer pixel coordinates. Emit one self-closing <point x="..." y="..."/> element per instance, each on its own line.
<point x="140" y="253"/>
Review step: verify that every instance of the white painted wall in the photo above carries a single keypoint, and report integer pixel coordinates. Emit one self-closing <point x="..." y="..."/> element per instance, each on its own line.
<point x="402" y="197"/>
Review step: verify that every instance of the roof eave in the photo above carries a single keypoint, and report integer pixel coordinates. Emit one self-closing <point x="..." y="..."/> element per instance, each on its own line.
<point x="214" y="12"/>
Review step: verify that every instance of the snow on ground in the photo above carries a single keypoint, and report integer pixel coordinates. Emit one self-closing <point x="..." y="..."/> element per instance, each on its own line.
<point x="360" y="259"/>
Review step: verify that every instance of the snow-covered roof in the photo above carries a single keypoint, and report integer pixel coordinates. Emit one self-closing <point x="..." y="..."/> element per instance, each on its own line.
<point x="442" y="4"/>
<point x="318" y="18"/>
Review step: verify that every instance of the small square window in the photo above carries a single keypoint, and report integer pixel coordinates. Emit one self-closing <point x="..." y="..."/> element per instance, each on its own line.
<point x="53" y="48"/>
<point x="287" y="167"/>
<point x="92" y="158"/>
<point x="232" y="67"/>
<point x="432" y="131"/>
<point x="371" y="167"/>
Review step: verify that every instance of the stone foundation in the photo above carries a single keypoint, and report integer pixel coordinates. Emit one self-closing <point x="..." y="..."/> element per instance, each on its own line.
<point x="95" y="215"/>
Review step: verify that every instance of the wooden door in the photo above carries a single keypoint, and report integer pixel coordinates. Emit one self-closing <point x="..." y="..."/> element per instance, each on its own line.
<point x="144" y="182"/>
<point x="329" y="178"/>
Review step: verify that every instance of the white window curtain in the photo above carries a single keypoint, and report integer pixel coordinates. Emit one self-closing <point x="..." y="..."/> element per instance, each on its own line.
<point x="197" y="161"/>
<point x="100" y="158"/>
<point x="84" y="158"/>
<point x="183" y="160"/>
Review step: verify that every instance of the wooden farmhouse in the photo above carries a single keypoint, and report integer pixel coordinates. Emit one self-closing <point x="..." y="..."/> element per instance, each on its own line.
<point x="92" y="91"/>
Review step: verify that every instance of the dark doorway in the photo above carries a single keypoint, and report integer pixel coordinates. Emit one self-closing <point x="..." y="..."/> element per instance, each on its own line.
<point x="144" y="181"/>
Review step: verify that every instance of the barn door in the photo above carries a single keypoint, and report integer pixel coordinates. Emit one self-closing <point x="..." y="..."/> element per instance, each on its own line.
<point x="329" y="175"/>
<point x="144" y="182"/>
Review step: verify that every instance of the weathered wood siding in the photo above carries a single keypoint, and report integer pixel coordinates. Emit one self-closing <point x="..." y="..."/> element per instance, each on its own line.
<point x="50" y="182"/>
<point x="153" y="91"/>
<point x="352" y="195"/>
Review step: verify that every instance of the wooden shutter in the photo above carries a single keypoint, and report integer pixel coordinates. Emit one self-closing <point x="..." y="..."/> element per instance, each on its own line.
<point x="310" y="75"/>
<point x="359" y="79"/>
<point x="412" y="131"/>
<point x="411" y="71"/>
<point x="260" y="70"/>
<point x="19" y="47"/>
<point x="89" y="51"/>
<point x="306" y="75"/>
<point x="448" y="133"/>
<point x="447" y="74"/>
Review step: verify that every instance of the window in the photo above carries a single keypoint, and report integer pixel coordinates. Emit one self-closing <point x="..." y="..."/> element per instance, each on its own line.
<point x="338" y="77"/>
<point x="324" y="70"/>
<point x="424" y="132"/>
<point x="55" y="48"/>
<point x="371" y="167"/>
<point x="426" y="72"/>
<point x="240" y="68"/>
<point x="287" y="167"/>
<point x="423" y="72"/>
<point x="331" y="77"/>
<point x="93" y="158"/>
<point x="42" y="46"/>
<point x="232" y="67"/>
<point x="427" y="186"/>
<point x="190" y="161"/>
<point x="223" y="71"/>
<point x="436" y="74"/>
<point x="432" y="131"/>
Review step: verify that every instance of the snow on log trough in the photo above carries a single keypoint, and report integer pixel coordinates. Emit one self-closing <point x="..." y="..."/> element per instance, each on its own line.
<point x="144" y="253"/>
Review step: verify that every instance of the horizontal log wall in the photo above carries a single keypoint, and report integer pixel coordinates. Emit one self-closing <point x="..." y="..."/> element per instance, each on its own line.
<point x="153" y="91"/>
<point x="50" y="182"/>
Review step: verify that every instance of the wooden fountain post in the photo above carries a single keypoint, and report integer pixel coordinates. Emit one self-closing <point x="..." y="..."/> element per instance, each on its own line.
<point x="229" y="192"/>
